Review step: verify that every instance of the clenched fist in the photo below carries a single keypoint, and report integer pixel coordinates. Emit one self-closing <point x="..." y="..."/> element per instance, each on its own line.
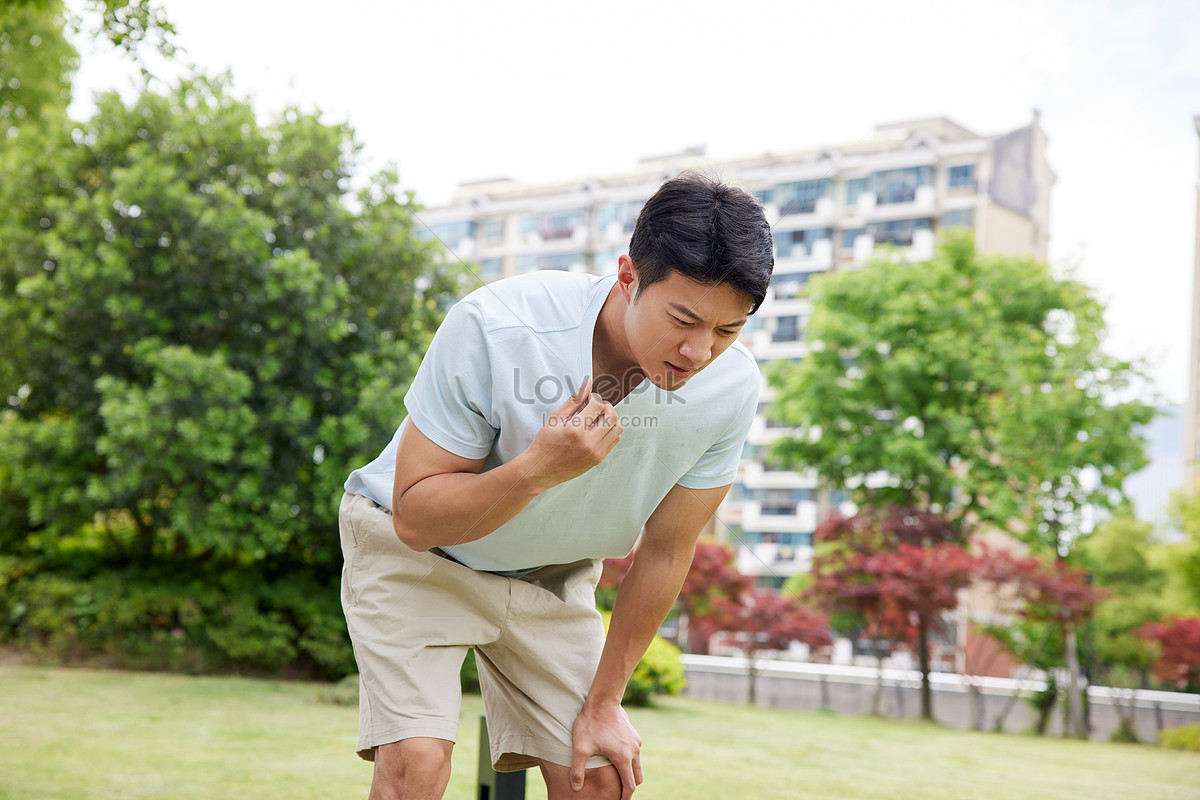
<point x="575" y="437"/>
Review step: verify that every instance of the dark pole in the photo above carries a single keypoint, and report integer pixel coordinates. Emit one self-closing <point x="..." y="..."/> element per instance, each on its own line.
<point x="496" y="785"/>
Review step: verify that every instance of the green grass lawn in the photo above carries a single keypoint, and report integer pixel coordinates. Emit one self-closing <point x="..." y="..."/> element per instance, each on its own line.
<point x="84" y="734"/>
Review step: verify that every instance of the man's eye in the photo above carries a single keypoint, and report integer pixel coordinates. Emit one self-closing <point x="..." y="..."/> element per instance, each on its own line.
<point x="679" y="321"/>
<point x="728" y="333"/>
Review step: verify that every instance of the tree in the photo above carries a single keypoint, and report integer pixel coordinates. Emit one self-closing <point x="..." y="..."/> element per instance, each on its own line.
<point x="1179" y="559"/>
<point x="712" y="587"/>
<point x="1116" y="556"/>
<point x="1054" y="597"/>
<point x="897" y="570"/>
<point x="38" y="61"/>
<point x="973" y="386"/>
<point x="1178" y="643"/>
<point x="768" y="620"/>
<point x="206" y="330"/>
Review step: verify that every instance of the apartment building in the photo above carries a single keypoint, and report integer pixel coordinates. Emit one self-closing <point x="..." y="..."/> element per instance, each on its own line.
<point x="831" y="207"/>
<point x="1191" y="420"/>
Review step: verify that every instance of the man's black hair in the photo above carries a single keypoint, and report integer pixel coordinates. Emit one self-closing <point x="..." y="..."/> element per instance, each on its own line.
<point x="705" y="230"/>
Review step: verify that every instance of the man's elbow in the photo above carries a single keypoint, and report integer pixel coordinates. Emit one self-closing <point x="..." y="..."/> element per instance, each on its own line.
<point x="409" y="536"/>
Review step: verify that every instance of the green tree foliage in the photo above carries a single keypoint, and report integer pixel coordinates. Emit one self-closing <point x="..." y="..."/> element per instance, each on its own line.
<point x="975" y="384"/>
<point x="37" y="59"/>
<point x="1116" y="555"/>
<point x="36" y="63"/>
<point x="1179" y="558"/>
<point x="207" y="329"/>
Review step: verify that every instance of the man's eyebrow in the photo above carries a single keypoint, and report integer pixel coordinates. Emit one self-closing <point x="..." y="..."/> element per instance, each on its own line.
<point x="687" y="312"/>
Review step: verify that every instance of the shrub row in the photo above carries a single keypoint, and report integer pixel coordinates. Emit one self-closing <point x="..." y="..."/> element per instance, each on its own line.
<point x="231" y="621"/>
<point x="237" y="620"/>
<point x="1186" y="737"/>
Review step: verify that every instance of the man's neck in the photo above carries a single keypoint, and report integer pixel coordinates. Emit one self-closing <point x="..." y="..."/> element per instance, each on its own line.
<point x="615" y="372"/>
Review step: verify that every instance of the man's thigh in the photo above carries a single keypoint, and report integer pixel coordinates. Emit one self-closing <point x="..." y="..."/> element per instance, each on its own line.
<point x="536" y="675"/>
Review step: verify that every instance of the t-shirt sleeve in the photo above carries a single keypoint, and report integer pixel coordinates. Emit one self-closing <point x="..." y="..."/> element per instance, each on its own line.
<point x="450" y="400"/>
<point x="718" y="466"/>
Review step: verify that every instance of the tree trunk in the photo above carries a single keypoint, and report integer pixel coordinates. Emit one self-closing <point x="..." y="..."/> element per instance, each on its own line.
<point x="1043" y="720"/>
<point x="878" y="698"/>
<point x="753" y="672"/>
<point x="145" y="532"/>
<point x="1016" y="695"/>
<point x="1075" y="726"/>
<point x="923" y="662"/>
<point x="975" y="698"/>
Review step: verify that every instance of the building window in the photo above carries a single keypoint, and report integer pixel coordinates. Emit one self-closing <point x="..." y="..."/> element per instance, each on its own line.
<point x="450" y="234"/>
<point x="899" y="185"/>
<point x="962" y="175"/>
<point x="800" y="197"/>
<point x="554" y="224"/>
<point x="964" y="217"/>
<point x="783" y="502"/>
<point x="787" y="329"/>
<point x="492" y="231"/>
<point x="624" y="213"/>
<point x="788" y="285"/>
<point x="763" y="196"/>
<point x="897" y="231"/>
<point x="849" y="235"/>
<point x="490" y="268"/>
<point x="782" y="538"/>
<point x="795" y="244"/>
<point x="855" y="187"/>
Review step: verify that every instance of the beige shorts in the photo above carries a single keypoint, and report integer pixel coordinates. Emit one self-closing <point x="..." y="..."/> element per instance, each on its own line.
<point x="412" y="617"/>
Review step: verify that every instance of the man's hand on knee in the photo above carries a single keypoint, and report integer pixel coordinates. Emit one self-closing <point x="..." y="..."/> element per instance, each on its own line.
<point x="604" y="729"/>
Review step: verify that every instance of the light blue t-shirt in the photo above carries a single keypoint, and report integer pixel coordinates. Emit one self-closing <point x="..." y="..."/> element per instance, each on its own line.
<point x="513" y="351"/>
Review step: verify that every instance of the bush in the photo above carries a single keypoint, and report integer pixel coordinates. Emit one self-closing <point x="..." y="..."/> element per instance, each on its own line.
<point x="469" y="676"/>
<point x="235" y="621"/>
<point x="659" y="672"/>
<point x="1186" y="738"/>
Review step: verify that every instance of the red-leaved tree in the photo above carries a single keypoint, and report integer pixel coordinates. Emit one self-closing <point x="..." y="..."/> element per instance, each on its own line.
<point x="710" y="589"/>
<point x="1052" y="594"/>
<point x="917" y="585"/>
<point x="1178" y="639"/>
<point x="895" y="569"/>
<point x="712" y="586"/>
<point x="768" y="620"/>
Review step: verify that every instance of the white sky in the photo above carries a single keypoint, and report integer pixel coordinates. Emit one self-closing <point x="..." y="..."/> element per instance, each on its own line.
<point x="453" y="91"/>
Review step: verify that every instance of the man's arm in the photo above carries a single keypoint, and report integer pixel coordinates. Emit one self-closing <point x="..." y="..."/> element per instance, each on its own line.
<point x="660" y="564"/>
<point x="440" y="499"/>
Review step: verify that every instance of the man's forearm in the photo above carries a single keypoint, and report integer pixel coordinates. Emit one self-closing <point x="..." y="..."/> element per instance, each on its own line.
<point x="647" y="594"/>
<point x="452" y="508"/>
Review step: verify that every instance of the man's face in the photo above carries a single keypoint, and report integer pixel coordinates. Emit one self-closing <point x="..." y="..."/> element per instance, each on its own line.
<point x="677" y="326"/>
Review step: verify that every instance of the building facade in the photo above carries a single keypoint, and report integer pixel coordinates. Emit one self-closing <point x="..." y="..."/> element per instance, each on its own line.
<point x="1191" y="420"/>
<point x="831" y="208"/>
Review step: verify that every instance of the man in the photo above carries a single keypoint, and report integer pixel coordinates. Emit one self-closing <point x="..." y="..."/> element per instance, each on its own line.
<point x="483" y="522"/>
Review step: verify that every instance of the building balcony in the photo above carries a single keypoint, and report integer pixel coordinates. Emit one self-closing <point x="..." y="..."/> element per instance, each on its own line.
<point x="819" y="257"/>
<point x="771" y="559"/>
<point x="756" y="476"/>
<point x="800" y="517"/>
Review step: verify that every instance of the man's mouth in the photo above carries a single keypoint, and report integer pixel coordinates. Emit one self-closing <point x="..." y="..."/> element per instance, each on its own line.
<point x="679" y="372"/>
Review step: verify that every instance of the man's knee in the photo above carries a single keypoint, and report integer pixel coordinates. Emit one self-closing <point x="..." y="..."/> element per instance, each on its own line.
<point x="411" y="768"/>
<point x="600" y="783"/>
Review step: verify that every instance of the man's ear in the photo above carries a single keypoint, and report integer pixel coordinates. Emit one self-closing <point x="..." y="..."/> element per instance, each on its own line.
<point x="627" y="278"/>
